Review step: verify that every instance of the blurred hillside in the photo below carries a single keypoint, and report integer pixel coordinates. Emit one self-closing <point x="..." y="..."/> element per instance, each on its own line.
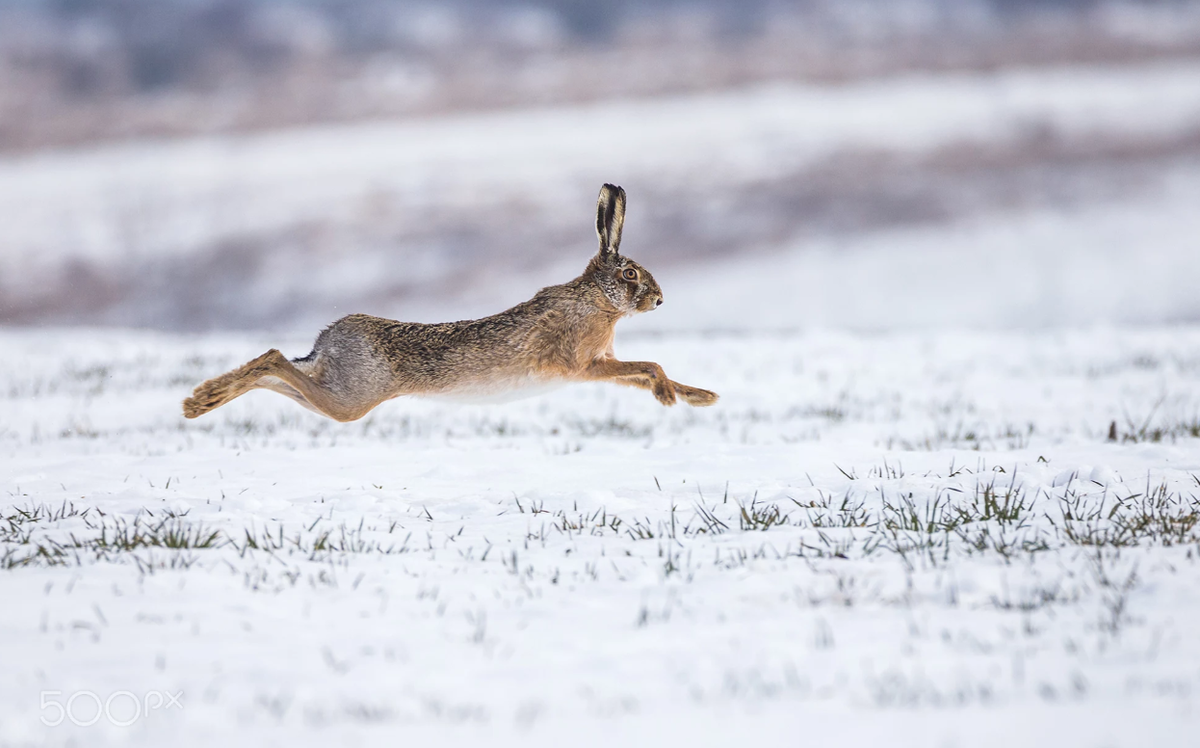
<point x="198" y="164"/>
<point x="74" y="71"/>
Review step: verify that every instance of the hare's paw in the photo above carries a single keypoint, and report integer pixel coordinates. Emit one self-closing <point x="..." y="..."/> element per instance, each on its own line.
<point x="203" y="399"/>
<point x="192" y="409"/>
<point x="207" y="396"/>
<point x="664" y="391"/>
<point x="695" y="396"/>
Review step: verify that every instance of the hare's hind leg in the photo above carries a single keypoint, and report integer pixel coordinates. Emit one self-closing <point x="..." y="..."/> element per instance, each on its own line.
<point x="317" y="395"/>
<point x="273" y="371"/>
<point x="219" y="390"/>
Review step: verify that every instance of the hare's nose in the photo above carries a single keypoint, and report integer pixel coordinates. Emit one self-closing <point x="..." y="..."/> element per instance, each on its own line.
<point x="658" y="301"/>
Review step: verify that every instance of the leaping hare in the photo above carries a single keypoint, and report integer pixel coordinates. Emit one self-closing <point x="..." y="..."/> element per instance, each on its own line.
<point x="564" y="333"/>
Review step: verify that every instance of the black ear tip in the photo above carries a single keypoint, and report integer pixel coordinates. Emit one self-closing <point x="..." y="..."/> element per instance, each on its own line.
<point x="611" y="189"/>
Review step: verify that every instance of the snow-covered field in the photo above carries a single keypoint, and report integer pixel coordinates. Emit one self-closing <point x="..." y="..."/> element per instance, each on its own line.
<point x="974" y="521"/>
<point x="921" y="539"/>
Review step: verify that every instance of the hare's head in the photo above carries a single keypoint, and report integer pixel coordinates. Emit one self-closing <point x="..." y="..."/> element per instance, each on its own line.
<point x="627" y="285"/>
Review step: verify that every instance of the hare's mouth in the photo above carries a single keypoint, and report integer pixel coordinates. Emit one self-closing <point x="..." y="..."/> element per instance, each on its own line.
<point x="649" y="303"/>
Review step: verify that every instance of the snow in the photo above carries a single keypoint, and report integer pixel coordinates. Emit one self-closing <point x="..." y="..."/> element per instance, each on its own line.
<point x="904" y="522"/>
<point x="489" y="572"/>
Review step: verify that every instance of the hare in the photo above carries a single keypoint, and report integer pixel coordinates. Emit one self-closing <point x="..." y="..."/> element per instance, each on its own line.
<point x="563" y="334"/>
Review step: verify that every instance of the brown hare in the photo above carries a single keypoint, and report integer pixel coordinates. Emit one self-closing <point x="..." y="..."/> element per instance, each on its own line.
<point x="564" y="333"/>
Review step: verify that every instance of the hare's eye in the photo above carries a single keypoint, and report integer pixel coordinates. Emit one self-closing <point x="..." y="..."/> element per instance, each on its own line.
<point x="629" y="274"/>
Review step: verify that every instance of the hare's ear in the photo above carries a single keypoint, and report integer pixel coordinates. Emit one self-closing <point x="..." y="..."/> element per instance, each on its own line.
<point x="610" y="217"/>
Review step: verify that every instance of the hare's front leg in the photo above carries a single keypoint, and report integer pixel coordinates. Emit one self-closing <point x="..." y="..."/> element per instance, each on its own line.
<point x="646" y="374"/>
<point x="693" y="396"/>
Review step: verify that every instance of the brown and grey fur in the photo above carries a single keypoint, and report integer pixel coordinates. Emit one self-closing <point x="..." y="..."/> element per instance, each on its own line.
<point x="564" y="333"/>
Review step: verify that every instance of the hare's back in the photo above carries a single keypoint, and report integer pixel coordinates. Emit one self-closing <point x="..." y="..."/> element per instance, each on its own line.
<point x="455" y="358"/>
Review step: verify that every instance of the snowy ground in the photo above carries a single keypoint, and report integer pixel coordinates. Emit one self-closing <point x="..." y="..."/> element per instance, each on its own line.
<point x="906" y="534"/>
<point x="923" y="538"/>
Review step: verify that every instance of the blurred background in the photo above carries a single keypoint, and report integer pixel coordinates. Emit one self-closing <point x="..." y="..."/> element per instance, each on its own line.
<point x="197" y="165"/>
